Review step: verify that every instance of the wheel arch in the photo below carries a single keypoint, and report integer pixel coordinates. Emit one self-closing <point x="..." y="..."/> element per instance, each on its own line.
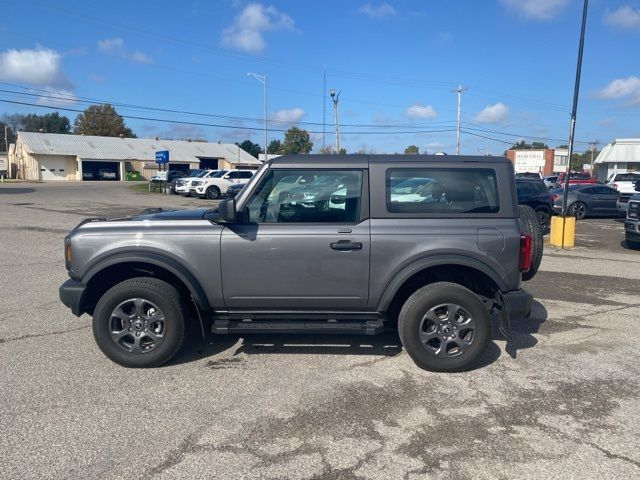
<point x="468" y="272"/>
<point x="117" y="268"/>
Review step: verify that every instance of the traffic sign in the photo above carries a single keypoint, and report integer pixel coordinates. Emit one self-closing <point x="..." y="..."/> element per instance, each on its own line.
<point x="162" y="156"/>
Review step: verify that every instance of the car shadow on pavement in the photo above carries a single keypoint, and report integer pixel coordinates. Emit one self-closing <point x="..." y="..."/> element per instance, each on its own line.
<point x="522" y="331"/>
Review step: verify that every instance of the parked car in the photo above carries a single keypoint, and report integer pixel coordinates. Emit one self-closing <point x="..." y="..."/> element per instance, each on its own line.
<point x="550" y="181"/>
<point x="86" y="175"/>
<point x="352" y="260"/>
<point x="632" y="223"/>
<point x="183" y="186"/>
<point x="106" y="174"/>
<point x="587" y="200"/>
<point x="535" y="194"/>
<point x="575" y="178"/>
<point x="213" y="186"/>
<point x="624" y="182"/>
<point x="535" y="175"/>
<point x="234" y="190"/>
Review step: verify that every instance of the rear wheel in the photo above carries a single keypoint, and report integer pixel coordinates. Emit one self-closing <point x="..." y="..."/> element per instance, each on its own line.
<point x="578" y="210"/>
<point x="212" y="193"/>
<point x="529" y="226"/>
<point x="140" y="322"/>
<point x="543" y="215"/>
<point x="444" y="327"/>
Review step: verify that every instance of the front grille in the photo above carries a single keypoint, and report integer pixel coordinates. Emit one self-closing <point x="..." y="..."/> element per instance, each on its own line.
<point x="624" y="197"/>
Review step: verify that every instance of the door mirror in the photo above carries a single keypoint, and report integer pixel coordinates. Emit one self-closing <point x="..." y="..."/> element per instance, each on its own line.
<point x="227" y="209"/>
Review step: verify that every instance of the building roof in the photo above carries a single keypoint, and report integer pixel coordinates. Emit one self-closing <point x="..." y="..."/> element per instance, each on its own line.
<point x="115" y="148"/>
<point x="620" y="150"/>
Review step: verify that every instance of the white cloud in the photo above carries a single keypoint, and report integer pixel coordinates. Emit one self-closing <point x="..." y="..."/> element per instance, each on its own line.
<point x="40" y="66"/>
<point x="623" y="88"/>
<point x="537" y="9"/>
<point x="291" y="115"/>
<point x="115" y="46"/>
<point x="381" y="10"/>
<point x="246" y="33"/>
<point x="493" y="113"/>
<point x="420" y="111"/>
<point x="624" y="17"/>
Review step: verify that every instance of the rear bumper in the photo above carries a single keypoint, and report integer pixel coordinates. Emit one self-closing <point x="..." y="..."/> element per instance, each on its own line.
<point x="71" y="293"/>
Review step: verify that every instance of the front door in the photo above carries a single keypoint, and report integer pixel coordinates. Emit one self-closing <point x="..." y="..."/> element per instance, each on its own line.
<point x="301" y="242"/>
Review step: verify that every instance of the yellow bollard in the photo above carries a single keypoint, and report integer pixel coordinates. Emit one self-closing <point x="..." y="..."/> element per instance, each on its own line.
<point x="563" y="231"/>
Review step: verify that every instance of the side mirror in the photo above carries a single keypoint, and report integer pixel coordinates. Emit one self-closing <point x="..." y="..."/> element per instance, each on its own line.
<point x="227" y="209"/>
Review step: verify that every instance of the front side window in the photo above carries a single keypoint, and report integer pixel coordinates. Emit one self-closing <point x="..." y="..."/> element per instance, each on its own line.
<point x="306" y="196"/>
<point x="438" y="190"/>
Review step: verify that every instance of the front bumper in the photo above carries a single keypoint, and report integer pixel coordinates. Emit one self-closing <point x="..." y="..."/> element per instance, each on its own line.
<point x="632" y="229"/>
<point x="71" y="293"/>
<point x="197" y="191"/>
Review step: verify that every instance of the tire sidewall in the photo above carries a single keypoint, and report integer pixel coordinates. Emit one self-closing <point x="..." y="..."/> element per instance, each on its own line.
<point x="573" y="206"/>
<point x="174" y="325"/>
<point x="428" y="297"/>
<point x="212" y="193"/>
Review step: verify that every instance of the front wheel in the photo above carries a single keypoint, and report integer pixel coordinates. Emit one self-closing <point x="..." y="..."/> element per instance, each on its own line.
<point x="444" y="327"/>
<point x="212" y="193"/>
<point x="140" y="323"/>
<point x="578" y="210"/>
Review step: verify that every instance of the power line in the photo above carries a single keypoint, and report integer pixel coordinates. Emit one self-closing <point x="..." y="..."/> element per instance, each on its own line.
<point x="201" y="124"/>
<point x="529" y="137"/>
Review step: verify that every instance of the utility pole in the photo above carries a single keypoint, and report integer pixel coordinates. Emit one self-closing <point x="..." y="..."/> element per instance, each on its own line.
<point x="336" y="97"/>
<point x="324" y="110"/>
<point x="592" y="148"/>
<point x="574" y="109"/>
<point x="459" y="91"/>
<point x="263" y="79"/>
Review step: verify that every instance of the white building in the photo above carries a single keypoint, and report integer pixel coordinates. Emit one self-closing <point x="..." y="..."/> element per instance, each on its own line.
<point x="620" y="156"/>
<point x="51" y="156"/>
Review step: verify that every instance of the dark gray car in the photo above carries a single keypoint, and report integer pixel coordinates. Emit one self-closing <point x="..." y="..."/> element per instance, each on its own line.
<point x="587" y="200"/>
<point x="348" y="251"/>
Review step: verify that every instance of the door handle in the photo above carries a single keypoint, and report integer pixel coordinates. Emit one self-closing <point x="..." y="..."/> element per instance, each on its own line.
<point x="346" y="245"/>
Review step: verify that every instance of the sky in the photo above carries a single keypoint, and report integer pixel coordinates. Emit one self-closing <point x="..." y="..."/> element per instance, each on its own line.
<point x="394" y="63"/>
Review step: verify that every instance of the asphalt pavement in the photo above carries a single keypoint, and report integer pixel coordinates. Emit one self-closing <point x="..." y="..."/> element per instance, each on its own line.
<point x="559" y="400"/>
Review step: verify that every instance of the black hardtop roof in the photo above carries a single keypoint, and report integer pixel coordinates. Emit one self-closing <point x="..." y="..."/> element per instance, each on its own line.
<point x="362" y="160"/>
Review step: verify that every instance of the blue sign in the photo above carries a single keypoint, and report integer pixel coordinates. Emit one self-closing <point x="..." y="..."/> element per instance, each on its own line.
<point x="162" y="157"/>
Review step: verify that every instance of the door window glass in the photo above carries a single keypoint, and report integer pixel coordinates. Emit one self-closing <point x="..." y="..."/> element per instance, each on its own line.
<point x="306" y="196"/>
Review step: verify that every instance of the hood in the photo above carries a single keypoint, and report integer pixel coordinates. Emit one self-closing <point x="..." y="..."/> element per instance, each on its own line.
<point x="160" y="214"/>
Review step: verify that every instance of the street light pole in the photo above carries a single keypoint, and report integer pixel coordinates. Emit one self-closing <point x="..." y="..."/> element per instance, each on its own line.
<point x="459" y="91"/>
<point x="336" y="97"/>
<point x="263" y="79"/>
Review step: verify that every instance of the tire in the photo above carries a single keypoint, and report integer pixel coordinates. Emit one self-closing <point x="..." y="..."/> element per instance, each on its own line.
<point x="529" y="226"/>
<point x="543" y="215"/>
<point x="119" y="326"/>
<point x="578" y="210"/>
<point x="425" y="325"/>
<point x="212" y="193"/>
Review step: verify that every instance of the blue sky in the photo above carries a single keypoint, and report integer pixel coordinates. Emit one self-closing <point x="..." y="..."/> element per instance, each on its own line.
<point x="395" y="63"/>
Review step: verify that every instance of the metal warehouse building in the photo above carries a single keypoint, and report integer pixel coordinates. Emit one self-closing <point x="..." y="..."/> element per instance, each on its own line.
<point x="620" y="156"/>
<point x="50" y="156"/>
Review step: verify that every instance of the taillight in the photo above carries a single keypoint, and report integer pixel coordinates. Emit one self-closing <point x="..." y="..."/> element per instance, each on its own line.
<point x="525" y="253"/>
<point x="554" y="197"/>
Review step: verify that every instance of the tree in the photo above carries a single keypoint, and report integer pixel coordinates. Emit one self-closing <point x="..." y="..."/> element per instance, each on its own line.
<point x="522" y="145"/>
<point x="48" y="123"/>
<point x="250" y="147"/>
<point x="325" y="150"/>
<point x="101" y="120"/>
<point x="412" y="149"/>
<point x="274" y="147"/>
<point x="296" y="141"/>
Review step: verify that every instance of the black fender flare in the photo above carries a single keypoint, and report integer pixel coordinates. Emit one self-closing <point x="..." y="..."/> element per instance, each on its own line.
<point x="434" y="261"/>
<point x="152" y="258"/>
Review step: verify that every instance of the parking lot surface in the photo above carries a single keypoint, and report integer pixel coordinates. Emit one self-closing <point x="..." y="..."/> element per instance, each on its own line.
<point x="559" y="400"/>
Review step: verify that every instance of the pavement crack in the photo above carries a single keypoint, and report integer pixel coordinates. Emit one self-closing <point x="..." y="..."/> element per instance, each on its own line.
<point x="38" y="335"/>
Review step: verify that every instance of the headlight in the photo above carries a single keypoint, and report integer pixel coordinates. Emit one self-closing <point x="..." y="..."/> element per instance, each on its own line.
<point x="196" y="184"/>
<point x="633" y="205"/>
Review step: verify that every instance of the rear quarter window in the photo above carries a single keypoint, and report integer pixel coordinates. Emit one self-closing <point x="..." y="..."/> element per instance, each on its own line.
<point x="442" y="191"/>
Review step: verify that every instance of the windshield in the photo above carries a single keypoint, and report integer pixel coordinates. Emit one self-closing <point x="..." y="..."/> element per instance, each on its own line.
<point x="219" y="174"/>
<point x="202" y="174"/>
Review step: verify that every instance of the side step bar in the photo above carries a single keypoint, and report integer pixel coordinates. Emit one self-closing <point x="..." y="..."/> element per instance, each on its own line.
<point x="247" y="325"/>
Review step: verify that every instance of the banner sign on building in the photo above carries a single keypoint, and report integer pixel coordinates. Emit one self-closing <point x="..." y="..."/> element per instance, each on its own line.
<point x="529" y="161"/>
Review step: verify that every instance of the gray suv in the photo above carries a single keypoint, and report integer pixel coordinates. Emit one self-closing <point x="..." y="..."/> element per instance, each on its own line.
<point x="349" y="244"/>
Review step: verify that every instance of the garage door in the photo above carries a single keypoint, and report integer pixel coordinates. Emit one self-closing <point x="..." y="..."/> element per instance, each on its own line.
<point x="53" y="169"/>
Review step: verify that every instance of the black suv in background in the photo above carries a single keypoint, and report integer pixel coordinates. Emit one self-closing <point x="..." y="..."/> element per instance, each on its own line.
<point x="535" y="194"/>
